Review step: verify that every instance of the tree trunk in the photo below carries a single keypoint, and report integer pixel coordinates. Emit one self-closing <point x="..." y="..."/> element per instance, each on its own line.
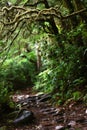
<point x="78" y="4"/>
<point x="73" y="20"/>
<point x="51" y="20"/>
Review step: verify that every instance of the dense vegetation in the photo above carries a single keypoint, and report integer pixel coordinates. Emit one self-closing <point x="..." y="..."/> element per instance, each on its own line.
<point x="43" y="44"/>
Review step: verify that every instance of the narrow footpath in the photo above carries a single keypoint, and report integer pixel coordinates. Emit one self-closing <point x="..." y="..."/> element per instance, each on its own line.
<point x="48" y="117"/>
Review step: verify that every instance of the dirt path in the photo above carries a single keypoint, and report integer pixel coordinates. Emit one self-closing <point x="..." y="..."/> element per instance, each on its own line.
<point x="48" y="117"/>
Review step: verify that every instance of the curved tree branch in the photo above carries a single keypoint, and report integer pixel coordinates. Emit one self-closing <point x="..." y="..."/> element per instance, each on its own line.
<point x="21" y="13"/>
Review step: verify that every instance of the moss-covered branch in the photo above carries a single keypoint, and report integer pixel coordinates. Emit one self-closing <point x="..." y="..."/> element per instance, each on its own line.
<point x="13" y="15"/>
<point x="75" y="13"/>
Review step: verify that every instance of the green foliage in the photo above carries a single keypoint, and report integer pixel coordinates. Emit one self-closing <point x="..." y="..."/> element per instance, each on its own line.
<point x="4" y="92"/>
<point x="85" y="98"/>
<point x="63" y="69"/>
<point x="44" y="81"/>
<point x="76" y="95"/>
<point x="78" y="34"/>
<point x="23" y="2"/>
<point x="13" y="1"/>
<point x="18" y="71"/>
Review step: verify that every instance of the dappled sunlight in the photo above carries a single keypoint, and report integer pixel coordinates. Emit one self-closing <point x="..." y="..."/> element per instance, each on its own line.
<point x="18" y="97"/>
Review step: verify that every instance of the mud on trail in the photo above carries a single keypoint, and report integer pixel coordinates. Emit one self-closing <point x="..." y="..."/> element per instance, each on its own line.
<point x="48" y="117"/>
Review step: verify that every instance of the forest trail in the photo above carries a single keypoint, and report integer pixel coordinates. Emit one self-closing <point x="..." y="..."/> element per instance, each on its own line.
<point x="49" y="117"/>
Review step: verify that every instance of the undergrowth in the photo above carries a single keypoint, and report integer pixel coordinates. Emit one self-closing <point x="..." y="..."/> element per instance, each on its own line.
<point x="64" y="69"/>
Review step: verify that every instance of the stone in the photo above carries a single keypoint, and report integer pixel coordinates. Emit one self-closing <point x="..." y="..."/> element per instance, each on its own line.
<point x="24" y="117"/>
<point x="45" y="98"/>
<point x="72" y="123"/>
<point x="60" y="127"/>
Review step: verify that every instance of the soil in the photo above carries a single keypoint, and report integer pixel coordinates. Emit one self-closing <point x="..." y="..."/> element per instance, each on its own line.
<point x="73" y="116"/>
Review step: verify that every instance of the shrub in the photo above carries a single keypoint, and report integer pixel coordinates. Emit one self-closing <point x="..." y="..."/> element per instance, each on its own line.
<point x="19" y="71"/>
<point x="62" y="73"/>
<point x="16" y="73"/>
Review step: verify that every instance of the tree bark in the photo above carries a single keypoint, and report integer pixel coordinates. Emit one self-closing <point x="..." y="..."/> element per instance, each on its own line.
<point x="51" y="20"/>
<point x="68" y="4"/>
<point x="78" y="4"/>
